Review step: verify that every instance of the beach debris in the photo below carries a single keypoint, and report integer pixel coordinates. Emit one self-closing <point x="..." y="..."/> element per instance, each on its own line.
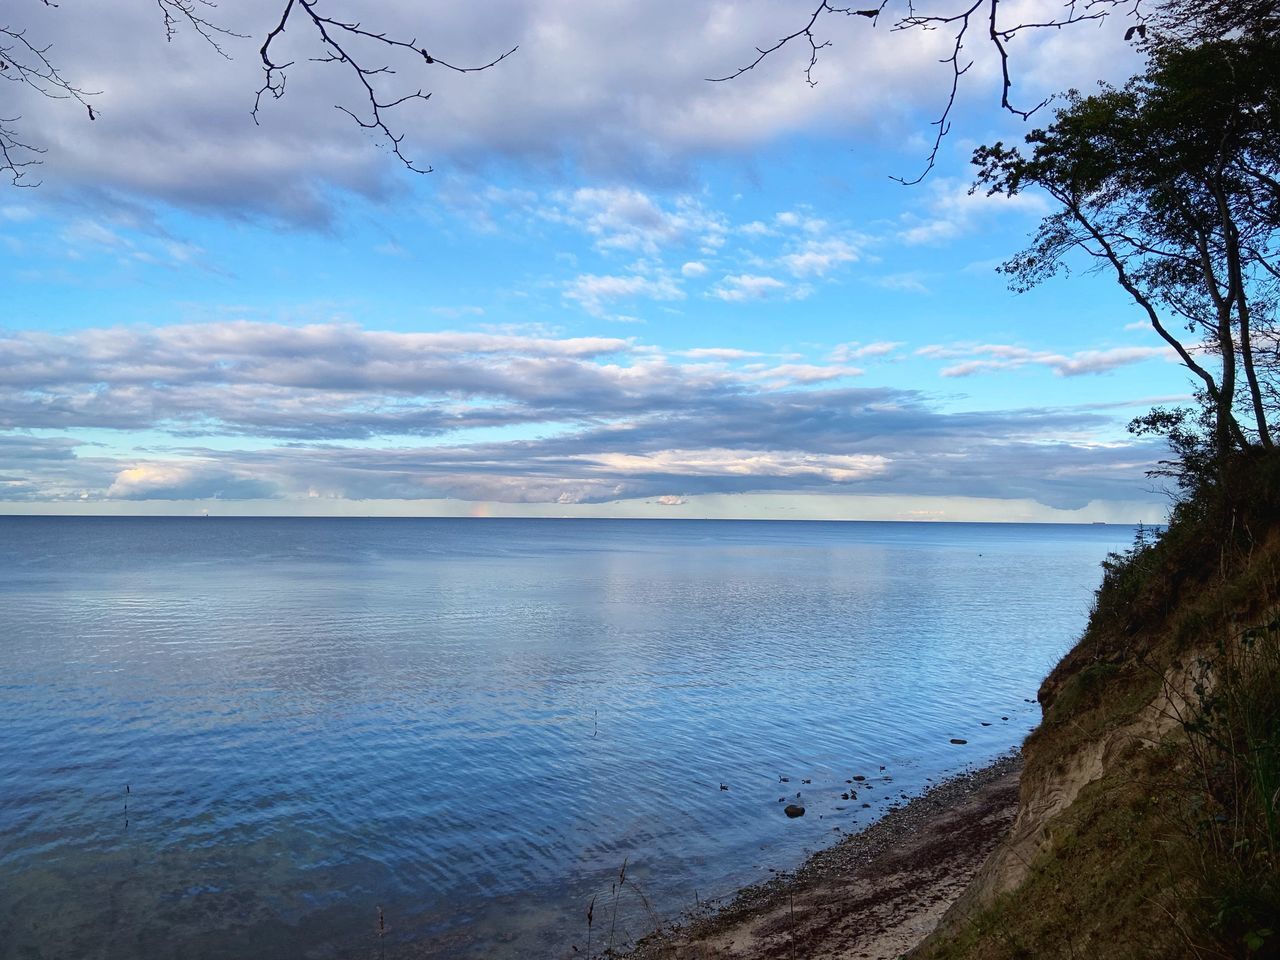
<point x="806" y="781"/>
<point x="793" y="810"/>
<point x="724" y="786"/>
<point x="844" y="796"/>
<point x="1004" y="718"/>
<point x="382" y="923"/>
<point x="859" y="777"/>
<point x="957" y="740"/>
<point x="784" y="779"/>
<point x="985" y="724"/>
<point x="866" y="806"/>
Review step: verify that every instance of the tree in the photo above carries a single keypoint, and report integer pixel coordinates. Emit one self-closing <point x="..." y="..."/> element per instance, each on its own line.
<point x="376" y="59"/>
<point x="1173" y="184"/>
<point x="1187" y="22"/>
<point x="364" y="52"/>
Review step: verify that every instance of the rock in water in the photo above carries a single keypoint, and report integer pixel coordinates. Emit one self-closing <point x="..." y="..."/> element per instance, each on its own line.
<point x="793" y="810"/>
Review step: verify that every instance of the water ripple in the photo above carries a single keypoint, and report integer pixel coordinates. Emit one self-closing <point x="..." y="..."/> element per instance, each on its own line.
<point x="242" y="737"/>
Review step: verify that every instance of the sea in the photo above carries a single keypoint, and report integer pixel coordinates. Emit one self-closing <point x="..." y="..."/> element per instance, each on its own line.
<point x="457" y="738"/>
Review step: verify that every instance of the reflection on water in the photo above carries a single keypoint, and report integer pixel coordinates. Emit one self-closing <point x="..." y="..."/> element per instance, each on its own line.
<point x="227" y="738"/>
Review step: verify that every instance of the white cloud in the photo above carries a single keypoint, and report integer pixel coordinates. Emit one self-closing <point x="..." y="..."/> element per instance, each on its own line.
<point x="789" y="373"/>
<point x="185" y="480"/>
<point x="630" y="220"/>
<point x="952" y="210"/>
<point x="859" y="351"/>
<point x="718" y="353"/>
<point x="910" y="282"/>
<point x="594" y="292"/>
<point x="738" y="462"/>
<point x="992" y="357"/>
<point x="743" y="287"/>
<point x="585" y="91"/>
<point x="694" y="268"/>
<point x="818" y="257"/>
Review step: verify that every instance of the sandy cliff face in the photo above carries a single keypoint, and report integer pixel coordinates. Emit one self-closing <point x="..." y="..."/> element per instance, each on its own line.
<point x="1049" y="789"/>
<point x="1142" y="830"/>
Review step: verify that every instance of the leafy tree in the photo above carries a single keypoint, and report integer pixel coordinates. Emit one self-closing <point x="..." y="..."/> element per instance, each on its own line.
<point x="1173" y="184"/>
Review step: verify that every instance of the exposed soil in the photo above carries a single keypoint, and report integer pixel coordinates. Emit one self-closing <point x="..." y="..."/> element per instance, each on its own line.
<point x="874" y="895"/>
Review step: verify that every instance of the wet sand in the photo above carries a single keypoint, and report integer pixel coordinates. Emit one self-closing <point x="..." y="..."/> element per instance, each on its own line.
<point x="873" y="895"/>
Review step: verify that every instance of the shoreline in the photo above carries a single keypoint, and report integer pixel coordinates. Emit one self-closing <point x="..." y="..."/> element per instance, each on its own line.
<point x="873" y="895"/>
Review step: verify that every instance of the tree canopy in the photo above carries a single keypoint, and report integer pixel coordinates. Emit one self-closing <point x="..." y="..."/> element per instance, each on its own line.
<point x="1172" y="183"/>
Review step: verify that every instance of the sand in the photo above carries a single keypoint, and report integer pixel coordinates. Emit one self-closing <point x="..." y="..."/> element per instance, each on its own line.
<point x="872" y="896"/>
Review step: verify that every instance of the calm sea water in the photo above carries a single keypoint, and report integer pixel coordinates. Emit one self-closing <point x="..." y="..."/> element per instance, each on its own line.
<point x="241" y="738"/>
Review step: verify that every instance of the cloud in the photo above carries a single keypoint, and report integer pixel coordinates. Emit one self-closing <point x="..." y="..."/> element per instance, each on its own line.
<point x="594" y="292"/>
<point x="186" y="481"/>
<point x="718" y="353"/>
<point x="694" y="268"/>
<point x="785" y="373"/>
<point x="713" y="462"/>
<point x="819" y="257"/>
<point x="585" y="92"/>
<point x="630" y="220"/>
<point x="744" y="286"/>
<point x="992" y="357"/>
<point x="860" y="440"/>
<point x="860" y="351"/>
<point x="911" y="282"/>
<point x="501" y="416"/>
<point x="951" y="210"/>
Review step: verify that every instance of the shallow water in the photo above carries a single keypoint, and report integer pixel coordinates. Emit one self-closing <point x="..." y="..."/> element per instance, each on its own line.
<point x="227" y="738"/>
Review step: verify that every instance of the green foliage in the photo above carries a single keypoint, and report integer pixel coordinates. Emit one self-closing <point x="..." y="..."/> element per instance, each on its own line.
<point x="1176" y="850"/>
<point x="1172" y="183"/>
<point x="1189" y="433"/>
<point x="1124" y="574"/>
<point x="1234" y="739"/>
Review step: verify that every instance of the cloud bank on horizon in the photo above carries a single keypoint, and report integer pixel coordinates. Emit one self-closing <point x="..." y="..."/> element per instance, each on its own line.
<point x="622" y="283"/>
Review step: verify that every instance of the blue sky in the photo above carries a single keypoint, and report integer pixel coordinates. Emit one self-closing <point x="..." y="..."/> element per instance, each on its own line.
<point x="622" y="291"/>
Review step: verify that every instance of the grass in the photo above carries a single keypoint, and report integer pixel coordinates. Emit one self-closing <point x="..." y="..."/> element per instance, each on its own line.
<point x="1175" y="850"/>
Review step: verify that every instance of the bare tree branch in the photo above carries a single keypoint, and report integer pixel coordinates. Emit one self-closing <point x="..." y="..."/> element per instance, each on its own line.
<point x="958" y="23"/>
<point x="28" y="64"/>
<point x="342" y="41"/>
<point x="336" y="36"/>
<point x="807" y="33"/>
<point x="192" y="12"/>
